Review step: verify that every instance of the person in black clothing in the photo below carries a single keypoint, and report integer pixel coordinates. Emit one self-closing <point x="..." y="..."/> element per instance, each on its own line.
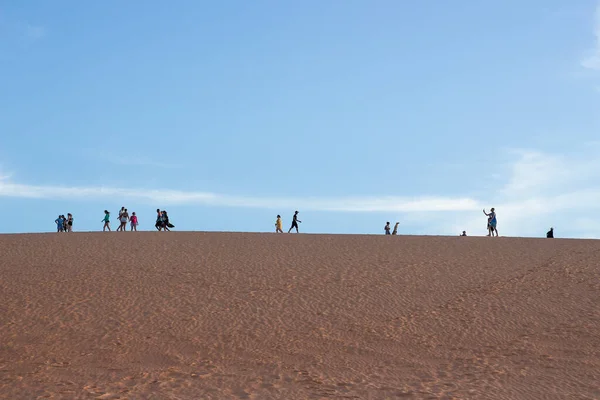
<point x="165" y="221"/>
<point x="550" y="233"/>
<point x="159" y="221"/>
<point x="295" y="221"/>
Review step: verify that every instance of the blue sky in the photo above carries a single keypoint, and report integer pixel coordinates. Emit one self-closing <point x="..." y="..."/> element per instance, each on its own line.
<point x="353" y="112"/>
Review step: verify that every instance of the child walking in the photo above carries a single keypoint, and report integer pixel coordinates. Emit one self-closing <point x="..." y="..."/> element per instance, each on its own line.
<point x="134" y="222"/>
<point x="106" y="221"/>
<point x="278" y="225"/>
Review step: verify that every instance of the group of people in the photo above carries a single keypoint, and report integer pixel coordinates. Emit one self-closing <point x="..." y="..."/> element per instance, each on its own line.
<point x="64" y="224"/>
<point x="162" y="221"/>
<point x="491" y="225"/>
<point x="295" y="222"/>
<point x="123" y="219"/>
<point x="492" y="222"/>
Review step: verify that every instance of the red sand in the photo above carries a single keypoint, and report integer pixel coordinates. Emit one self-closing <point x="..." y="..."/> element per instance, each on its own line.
<point x="179" y="315"/>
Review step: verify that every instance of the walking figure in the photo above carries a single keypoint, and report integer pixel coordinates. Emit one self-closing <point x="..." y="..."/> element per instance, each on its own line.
<point x="106" y="221"/>
<point x="278" y="225"/>
<point x="295" y="222"/>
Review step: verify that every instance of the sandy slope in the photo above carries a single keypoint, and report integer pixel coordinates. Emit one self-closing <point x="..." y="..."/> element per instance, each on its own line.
<point x="153" y="315"/>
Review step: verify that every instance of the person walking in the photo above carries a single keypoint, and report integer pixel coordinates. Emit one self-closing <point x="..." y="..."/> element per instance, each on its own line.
<point x="159" y="220"/>
<point x="106" y="221"/>
<point x="295" y="222"/>
<point x="395" y="231"/>
<point x="124" y="220"/>
<point x="278" y="225"/>
<point x="69" y="222"/>
<point x="121" y="212"/>
<point x="165" y="222"/>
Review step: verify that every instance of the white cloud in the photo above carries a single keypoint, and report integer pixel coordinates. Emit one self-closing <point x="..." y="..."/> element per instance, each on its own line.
<point x="539" y="190"/>
<point x="592" y="60"/>
<point x="173" y="197"/>
<point x="543" y="191"/>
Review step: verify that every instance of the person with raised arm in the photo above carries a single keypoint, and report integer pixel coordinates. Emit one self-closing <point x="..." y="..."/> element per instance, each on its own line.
<point x="492" y="222"/>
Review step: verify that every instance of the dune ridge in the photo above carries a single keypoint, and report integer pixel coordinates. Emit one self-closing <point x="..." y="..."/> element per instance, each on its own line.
<point x="190" y="315"/>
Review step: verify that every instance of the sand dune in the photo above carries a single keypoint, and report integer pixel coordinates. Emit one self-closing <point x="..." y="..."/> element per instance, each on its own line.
<point x="181" y="315"/>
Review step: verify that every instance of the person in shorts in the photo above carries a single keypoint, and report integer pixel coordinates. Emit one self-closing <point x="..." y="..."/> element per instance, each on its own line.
<point x="295" y="222"/>
<point x="491" y="222"/>
<point x="133" y="221"/>
<point x="106" y="221"/>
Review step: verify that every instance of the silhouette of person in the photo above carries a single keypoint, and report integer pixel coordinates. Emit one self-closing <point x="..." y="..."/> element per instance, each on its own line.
<point x="550" y="233"/>
<point x="395" y="231"/>
<point x="295" y="222"/>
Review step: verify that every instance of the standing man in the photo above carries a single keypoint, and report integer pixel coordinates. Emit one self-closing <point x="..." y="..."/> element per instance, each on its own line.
<point x="491" y="222"/>
<point x="295" y="222"/>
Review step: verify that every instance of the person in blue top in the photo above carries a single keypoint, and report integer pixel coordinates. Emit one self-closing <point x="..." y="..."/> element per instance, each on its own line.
<point x="106" y="221"/>
<point x="491" y="222"/>
<point x="60" y="224"/>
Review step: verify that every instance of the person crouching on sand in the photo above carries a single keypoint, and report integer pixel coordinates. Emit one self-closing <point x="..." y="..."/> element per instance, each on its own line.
<point x="278" y="225"/>
<point x="387" y="228"/>
<point x="134" y="222"/>
<point x="464" y="233"/>
<point x="395" y="231"/>
<point x="106" y="221"/>
<point x="550" y="233"/>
